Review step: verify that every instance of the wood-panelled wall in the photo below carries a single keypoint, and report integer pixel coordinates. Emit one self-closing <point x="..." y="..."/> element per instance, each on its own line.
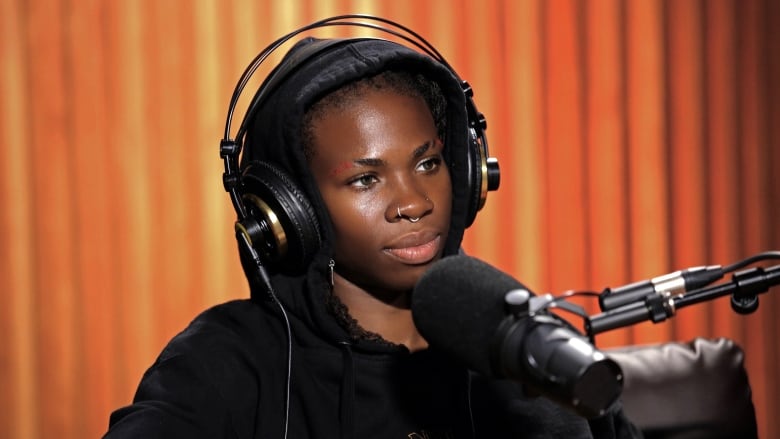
<point x="636" y="138"/>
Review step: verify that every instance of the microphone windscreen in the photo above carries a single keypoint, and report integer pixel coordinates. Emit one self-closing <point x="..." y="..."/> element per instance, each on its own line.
<point x="457" y="306"/>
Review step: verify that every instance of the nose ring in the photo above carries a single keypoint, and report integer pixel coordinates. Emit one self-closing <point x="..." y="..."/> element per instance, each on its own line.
<point x="411" y="220"/>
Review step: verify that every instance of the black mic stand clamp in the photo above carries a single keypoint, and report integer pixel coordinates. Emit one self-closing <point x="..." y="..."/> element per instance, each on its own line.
<point x="522" y="303"/>
<point x="551" y="357"/>
<point x="748" y="285"/>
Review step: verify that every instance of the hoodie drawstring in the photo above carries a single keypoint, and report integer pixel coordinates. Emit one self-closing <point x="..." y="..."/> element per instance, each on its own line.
<point x="469" y="408"/>
<point x="347" y="401"/>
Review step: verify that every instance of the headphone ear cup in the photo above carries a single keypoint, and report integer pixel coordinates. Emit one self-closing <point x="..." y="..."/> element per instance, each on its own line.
<point x="281" y="223"/>
<point x="474" y="179"/>
<point x="476" y="158"/>
<point x="483" y="171"/>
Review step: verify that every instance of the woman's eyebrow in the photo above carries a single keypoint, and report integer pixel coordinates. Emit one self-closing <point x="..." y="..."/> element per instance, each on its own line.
<point x="422" y="149"/>
<point x="343" y="166"/>
<point x="369" y="162"/>
<point x="375" y="162"/>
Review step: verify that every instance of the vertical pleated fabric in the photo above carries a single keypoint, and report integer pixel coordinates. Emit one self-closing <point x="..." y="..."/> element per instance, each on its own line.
<point x="635" y="138"/>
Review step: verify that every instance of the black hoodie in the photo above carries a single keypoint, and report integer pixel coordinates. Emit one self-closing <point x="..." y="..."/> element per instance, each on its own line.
<point x="227" y="374"/>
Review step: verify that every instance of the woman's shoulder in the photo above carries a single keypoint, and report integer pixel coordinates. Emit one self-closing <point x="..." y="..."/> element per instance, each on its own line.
<point x="237" y="325"/>
<point x="207" y="379"/>
<point x="227" y="348"/>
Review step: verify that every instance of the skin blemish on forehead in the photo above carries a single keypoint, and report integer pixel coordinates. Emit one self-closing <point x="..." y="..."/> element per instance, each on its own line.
<point x="343" y="166"/>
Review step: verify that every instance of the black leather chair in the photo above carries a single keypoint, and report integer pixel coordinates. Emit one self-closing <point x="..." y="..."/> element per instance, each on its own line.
<point x="692" y="390"/>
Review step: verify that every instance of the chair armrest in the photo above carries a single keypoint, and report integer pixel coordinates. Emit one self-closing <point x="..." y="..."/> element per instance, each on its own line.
<point x="697" y="389"/>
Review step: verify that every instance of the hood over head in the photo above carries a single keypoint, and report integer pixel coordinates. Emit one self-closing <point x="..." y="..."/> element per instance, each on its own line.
<point x="310" y="70"/>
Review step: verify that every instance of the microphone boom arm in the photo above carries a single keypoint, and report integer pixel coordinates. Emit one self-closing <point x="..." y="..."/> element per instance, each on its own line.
<point x="744" y="287"/>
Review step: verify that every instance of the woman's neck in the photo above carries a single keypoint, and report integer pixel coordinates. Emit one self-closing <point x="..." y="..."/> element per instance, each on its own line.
<point x="390" y="318"/>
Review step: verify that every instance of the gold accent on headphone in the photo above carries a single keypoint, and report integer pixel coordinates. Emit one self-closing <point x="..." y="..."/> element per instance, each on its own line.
<point x="280" y="237"/>
<point x="483" y="167"/>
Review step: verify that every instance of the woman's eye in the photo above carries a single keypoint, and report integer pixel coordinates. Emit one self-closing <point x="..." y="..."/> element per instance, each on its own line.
<point x="429" y="164"/>
<point x="363" y="181"/>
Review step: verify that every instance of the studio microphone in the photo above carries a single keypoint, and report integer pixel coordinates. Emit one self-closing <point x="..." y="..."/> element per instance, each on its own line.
<point x="486" y="320"/>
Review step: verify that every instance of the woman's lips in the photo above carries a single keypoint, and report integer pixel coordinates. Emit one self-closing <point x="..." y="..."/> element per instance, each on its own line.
<point x="417" y="254"/>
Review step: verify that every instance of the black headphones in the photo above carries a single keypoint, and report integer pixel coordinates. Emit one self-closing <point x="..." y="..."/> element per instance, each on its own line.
<point x="277" y="227"/>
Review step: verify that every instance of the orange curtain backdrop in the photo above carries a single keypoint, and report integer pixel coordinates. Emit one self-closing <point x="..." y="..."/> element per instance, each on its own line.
<point x="635" y="138"/>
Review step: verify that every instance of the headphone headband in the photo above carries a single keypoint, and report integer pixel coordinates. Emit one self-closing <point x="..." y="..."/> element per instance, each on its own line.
<point x="408" y="35"/>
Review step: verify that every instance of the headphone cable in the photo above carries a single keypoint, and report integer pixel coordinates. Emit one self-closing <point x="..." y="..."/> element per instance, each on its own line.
<point x="262" y="276"/>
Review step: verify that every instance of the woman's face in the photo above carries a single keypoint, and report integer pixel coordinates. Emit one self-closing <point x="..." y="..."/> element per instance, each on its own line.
<point x="378" y="163"/>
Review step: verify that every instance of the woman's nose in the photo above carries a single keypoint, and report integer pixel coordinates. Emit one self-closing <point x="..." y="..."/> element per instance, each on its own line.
<point x="411" y="208"/>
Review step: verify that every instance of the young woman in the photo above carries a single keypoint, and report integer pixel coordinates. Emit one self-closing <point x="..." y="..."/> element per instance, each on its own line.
<point x="373" y="135"/>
